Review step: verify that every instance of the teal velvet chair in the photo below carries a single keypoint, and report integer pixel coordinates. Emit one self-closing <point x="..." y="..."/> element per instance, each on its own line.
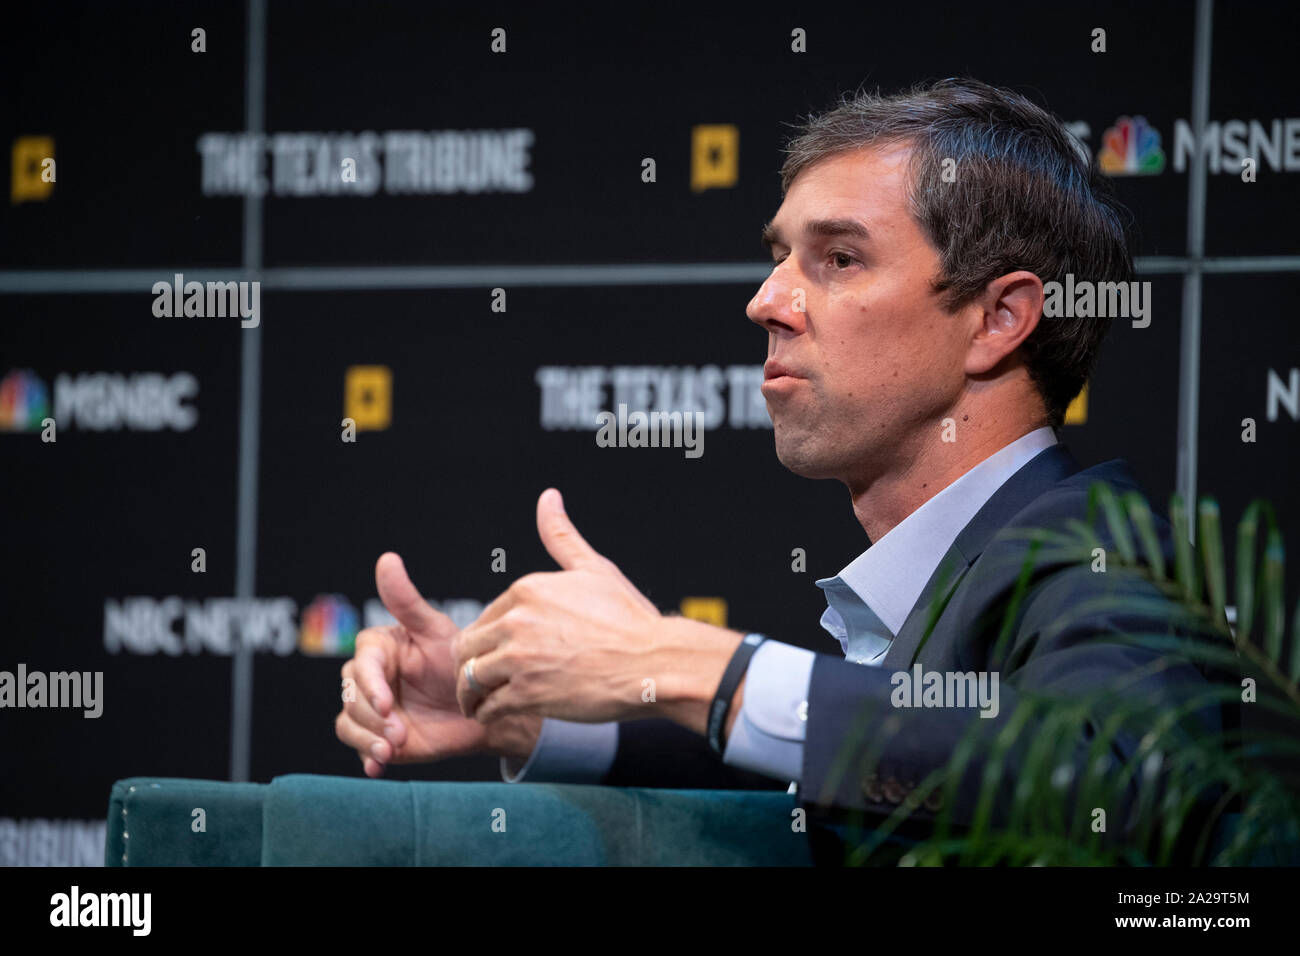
<point x="306" y="820"/>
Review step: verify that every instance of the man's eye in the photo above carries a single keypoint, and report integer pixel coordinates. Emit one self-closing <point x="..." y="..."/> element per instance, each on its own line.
<point x="838" y="256"/>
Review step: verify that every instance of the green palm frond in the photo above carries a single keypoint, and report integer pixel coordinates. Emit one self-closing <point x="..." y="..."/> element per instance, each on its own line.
<point x="1114" y="749"/>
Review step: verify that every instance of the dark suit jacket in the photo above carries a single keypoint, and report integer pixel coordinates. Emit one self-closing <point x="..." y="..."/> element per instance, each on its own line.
<point x="977" y="578"/>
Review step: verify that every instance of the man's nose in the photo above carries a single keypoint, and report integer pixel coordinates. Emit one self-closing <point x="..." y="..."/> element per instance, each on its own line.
<point x="780" y="302"/>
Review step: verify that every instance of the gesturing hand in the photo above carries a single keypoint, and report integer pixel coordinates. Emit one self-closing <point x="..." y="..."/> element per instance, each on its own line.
<point x="575" y="644"/>
<point x="404" y="708"/>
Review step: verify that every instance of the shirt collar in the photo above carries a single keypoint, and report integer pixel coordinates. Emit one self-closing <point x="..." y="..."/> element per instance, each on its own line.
<point x="890" y="575"/>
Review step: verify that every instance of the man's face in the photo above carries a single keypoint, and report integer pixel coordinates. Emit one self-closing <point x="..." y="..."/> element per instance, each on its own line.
<point x="873" y="360"/>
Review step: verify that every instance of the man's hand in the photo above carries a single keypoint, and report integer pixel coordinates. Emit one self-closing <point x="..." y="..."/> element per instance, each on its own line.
<point x="584" y="644"/>
<point x="405" y="708"/>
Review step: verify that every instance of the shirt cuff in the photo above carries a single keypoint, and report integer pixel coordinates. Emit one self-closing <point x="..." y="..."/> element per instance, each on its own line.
<point x="567" y="752"/>
<point x="768" y="735"/>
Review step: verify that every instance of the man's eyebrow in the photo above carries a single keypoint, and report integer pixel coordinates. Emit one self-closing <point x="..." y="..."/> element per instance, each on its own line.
<point x="837" y="227"/>
<point x="825" y="228"/>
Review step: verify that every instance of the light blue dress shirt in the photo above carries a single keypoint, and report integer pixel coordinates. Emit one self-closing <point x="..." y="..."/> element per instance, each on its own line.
<point x="867" y="603"/>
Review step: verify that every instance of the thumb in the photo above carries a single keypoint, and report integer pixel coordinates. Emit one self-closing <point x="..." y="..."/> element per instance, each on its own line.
<point x="400" y="596"/>
<point x="570" y="549"/>
<point x="563" y="543"/>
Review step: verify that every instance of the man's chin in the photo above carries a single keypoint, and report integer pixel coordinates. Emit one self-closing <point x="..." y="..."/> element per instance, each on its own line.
<point x="802" y="460"/>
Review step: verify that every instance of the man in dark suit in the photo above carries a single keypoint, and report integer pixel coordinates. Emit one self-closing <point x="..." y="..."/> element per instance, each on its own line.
<point x="908" y="357"/>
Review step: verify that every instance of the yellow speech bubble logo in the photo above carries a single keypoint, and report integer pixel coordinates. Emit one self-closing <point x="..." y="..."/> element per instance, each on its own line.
<point x="715" y="157"/>
<point x="368" y="396"/>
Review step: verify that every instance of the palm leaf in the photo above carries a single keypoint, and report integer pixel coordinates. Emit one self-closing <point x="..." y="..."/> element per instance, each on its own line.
<point x="1173" y="766"/>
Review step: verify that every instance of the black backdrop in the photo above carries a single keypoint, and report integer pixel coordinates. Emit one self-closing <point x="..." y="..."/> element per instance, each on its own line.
<point x="103" y="516"/>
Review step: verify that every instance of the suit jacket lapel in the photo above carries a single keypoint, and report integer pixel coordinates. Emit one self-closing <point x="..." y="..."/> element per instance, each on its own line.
<point x="1054" y="464"/>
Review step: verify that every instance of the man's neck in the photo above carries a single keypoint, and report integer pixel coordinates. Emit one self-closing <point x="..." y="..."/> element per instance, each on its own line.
<point x="934" y="465"/>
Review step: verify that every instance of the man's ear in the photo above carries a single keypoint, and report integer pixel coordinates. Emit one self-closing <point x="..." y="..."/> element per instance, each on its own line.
<point x="1009" y="311"/>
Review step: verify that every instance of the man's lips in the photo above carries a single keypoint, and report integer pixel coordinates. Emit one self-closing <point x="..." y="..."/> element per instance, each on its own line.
<point x="777" y="378"/>
<point x="773" y="369"/>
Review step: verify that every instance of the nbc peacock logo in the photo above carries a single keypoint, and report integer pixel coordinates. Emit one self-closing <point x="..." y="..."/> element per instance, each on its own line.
<point x="1131" y="148"/>
<point x="329" y="627"/>
<point x="24" y="401"/>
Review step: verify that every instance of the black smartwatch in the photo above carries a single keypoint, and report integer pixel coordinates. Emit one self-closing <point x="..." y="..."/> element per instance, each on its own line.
<point x="727" y="689"/>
